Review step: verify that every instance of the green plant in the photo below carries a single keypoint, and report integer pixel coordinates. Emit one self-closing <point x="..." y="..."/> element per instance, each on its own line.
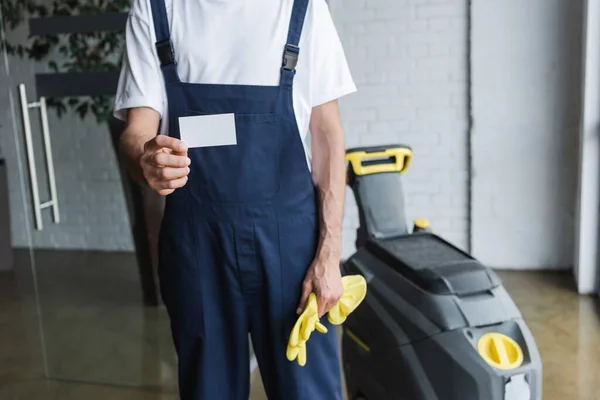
<point x="75" y="52"/>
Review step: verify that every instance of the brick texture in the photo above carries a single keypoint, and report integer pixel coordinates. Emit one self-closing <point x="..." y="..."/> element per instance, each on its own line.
<point x="409" y="61"/>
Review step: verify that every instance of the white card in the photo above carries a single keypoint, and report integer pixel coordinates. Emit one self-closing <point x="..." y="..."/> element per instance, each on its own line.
<point x="208" y="130"/>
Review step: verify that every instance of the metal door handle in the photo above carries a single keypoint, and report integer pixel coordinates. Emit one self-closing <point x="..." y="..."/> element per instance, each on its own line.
<point x="53" y="202"/>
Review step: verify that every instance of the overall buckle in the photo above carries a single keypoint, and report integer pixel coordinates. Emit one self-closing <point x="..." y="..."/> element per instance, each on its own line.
<point x="166" y="54"/>
<point x="290" y="57"/>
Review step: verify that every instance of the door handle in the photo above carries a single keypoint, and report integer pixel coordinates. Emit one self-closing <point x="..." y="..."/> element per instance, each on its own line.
<point x="38" y="206"/>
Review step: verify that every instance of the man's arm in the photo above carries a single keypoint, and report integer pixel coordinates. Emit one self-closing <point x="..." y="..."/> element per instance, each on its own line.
<point x="329" y="174"/>
<point x="158" y="161"/>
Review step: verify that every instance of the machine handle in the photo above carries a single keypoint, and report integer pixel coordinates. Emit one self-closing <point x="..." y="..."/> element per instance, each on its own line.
<point x="400" y="156"/>
<point x="35" y="192"/>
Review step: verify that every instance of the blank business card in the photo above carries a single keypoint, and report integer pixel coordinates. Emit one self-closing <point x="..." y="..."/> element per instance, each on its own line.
<point x="208" y="130"/>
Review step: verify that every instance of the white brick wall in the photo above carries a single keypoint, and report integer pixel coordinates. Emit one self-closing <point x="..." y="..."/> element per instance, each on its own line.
<point x="409" y="61"/>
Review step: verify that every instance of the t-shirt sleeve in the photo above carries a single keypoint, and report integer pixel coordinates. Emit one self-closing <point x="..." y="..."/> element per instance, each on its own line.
<point x="330" y="78"/>
<point x="140" y="80"/>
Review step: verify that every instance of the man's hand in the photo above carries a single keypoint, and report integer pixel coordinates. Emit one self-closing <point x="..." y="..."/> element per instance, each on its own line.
<point x="324" y="279"/>
<point x="165" y="164"/>
<point x="159" y="161"/>
<point x="329" y="174"/>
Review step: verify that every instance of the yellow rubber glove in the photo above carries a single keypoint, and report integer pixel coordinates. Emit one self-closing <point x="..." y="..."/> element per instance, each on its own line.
<point x="355" y="290"/>
<point x="305" y="325"/>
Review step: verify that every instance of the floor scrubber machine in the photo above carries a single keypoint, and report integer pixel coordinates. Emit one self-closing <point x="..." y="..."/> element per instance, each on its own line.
<point x="436" y="324"/>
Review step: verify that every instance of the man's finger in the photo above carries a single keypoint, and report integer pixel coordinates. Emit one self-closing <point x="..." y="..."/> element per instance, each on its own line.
<point x="324" y="305"/>
<point x="161" y="159"/>
<point x="166" y="142"/>
<point x="306" y="291"/>
<point x="167" y="174"/>
<point x="169" y="142"/>
<point x="172" y="184"/>
<point x="151" y="145"/>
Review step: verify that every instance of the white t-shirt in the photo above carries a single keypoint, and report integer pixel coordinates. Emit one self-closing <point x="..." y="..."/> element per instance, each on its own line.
<point x="233" y="42"/>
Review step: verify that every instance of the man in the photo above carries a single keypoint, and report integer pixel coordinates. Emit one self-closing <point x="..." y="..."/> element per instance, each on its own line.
<point x="251" y="227"/>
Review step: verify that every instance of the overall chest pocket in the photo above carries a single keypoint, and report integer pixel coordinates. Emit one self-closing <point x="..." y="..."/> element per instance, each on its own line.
<point x="243" y="173"/>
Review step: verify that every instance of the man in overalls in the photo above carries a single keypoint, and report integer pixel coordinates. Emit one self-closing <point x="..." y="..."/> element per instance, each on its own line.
<point x="250" y="229"/>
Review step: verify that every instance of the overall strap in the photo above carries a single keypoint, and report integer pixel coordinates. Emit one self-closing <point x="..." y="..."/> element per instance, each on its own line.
<point x="292" y="51"/>
<point x="164" y="46"/>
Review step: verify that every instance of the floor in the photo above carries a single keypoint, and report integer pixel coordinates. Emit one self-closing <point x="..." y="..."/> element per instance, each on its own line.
<point x="94" y="329"/>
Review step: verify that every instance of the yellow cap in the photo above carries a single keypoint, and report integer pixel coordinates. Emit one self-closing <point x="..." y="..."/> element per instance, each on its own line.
<point x="500" y="351"/>
<point x="421" y="223"/>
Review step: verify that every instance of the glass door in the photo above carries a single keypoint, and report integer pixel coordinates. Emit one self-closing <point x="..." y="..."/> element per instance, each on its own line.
<point x="71" y="214"/>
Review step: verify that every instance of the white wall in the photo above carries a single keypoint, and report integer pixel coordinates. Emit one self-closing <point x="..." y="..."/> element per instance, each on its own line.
<point x="409" y="60"/>
<point x="526" y="65"/>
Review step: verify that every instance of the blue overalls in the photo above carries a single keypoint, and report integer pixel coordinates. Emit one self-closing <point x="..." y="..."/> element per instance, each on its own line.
<point x="237" y="239"/>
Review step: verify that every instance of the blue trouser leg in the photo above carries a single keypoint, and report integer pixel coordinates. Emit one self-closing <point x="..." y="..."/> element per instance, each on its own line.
<point x="208" y="311"/>
<point x="286" y="250"/>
